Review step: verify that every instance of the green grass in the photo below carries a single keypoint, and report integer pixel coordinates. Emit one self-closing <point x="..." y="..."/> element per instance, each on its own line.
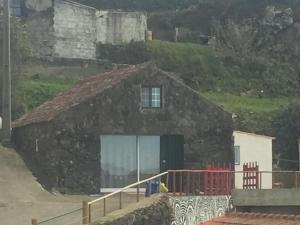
<point x="252" y="114"/>
<point x="233" y="103"/>
<point x="207" y="69"/>
<point x="35" y="92"/>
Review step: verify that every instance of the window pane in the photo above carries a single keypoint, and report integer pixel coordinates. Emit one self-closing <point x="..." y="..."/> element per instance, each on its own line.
<point x="155" y="97"/>
<point x="118" y="161"/>
<point x="237" y="155"/>
<point x="149" y="147"/>
<point x="145" y="97"/>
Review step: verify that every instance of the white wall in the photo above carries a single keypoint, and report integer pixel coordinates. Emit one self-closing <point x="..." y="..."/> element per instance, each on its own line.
<point x="117" y="28"/>
<point x="254" y="148"/>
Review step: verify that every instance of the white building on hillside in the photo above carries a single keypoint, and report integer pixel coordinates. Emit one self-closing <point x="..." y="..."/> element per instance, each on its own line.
<point x="249" y="147"/>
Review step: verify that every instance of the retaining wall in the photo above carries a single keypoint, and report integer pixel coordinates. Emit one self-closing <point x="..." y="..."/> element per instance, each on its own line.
<point x="151" y="211"/>
<point x="192" y="210"/>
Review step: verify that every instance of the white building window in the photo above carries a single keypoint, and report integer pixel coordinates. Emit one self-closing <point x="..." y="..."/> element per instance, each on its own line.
<point x="237" y="156"/>
<point x="151" y="97"/>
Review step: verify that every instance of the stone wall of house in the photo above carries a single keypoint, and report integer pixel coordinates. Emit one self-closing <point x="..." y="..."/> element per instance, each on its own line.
<point x="120" y="27"/>
<point x="151" y="211"/>
<point x="75" y="30"/>
<point x="70" y="143"/>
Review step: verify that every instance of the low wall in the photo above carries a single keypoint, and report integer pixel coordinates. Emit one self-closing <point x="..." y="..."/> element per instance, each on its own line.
<point x="168" y="210"/>
<point x="192" y="210"/>
<point x="151" y="211"/>
<point x="272" y="197"/>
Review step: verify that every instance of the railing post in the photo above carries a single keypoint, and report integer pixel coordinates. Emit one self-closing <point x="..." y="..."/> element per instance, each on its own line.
<point x="167" y="181"/>
<point x="104" y="207"/>
<point x="159" y="182"/>
<point x="85" y="212"/>
<point x="188" y="183"/>
<point x="34" y="222"/>
<point x="174" y="183"/>
<point x="90" y="213"/>
<point x="120" y="200"/>
<point x="296" y="180"/>
<point x="260" y="179"/>
<point x="138" y="193"/>
<point x="180" y="185"/>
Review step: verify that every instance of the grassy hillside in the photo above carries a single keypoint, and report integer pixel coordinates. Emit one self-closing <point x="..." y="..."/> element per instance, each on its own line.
<point x="208" y="69"/>
<point x="35" y="92"/>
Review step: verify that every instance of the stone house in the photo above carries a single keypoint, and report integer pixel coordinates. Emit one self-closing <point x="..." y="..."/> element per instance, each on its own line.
<point x="122" y="126"/>
<point x="66" y="29"/>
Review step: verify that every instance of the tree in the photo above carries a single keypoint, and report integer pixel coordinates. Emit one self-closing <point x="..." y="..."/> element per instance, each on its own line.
<point x="287" y="130"/>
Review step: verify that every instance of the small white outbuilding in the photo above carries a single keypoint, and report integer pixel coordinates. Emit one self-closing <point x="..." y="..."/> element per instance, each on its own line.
<point x="249" y="147"/>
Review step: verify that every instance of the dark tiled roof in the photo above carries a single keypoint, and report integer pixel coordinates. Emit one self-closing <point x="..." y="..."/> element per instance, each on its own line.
<point x="254" y="219"/>
<point x="81" y="91"/>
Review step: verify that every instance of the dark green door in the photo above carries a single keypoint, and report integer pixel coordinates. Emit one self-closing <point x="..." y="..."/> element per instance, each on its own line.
<point x="171" y="152"/>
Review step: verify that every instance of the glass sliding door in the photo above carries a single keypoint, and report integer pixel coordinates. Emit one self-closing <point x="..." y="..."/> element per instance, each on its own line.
<point x="127" y="159"/>
<point x="149" y="156"/>
<point x="118" y="161"/>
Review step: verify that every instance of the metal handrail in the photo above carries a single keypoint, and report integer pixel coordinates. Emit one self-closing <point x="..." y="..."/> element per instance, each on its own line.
<point x="86" y="208"/>
<point x="128" y="187"/>
<point x="172" y="171"/>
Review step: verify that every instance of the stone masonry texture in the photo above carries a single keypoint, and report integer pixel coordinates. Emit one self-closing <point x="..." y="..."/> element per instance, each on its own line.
<point x="152" y="211"/>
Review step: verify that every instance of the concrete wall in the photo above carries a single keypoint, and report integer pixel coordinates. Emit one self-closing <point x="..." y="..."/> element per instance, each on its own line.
<point x="70" y="144"/>
<point x="74" y="30"/>
<point x="193" y="210"/>
<point x="39" y="27"/>
<point x="254" y="148"/>
<point x="274" y="197"/>
<point x="63" y="28"/>
<point x="37" y="5"/>
<point x="150" y="211"/>
<point x="120" y="27"/>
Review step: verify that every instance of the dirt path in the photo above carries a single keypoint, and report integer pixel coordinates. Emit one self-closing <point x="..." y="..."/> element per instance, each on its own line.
<point x="23" y="198"/>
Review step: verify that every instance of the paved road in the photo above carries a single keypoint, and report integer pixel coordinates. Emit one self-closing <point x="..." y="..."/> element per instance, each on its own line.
<point x="23" y="198"/>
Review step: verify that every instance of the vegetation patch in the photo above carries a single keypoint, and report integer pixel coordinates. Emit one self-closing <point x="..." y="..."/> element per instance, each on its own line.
<point x="36" y="92"/>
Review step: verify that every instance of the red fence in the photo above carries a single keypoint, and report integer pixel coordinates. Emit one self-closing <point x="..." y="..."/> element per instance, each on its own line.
<point x="251" y="176"/>
<point x="213" y="180"/>
<point x="218" y="179"/>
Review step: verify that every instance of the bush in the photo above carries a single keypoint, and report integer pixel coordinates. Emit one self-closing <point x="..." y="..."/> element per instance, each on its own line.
<point x="287" y="129"/>
<point x="132" y="53"/>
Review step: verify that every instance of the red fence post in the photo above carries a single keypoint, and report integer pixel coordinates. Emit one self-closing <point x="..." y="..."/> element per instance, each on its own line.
<point x="205" y="180"/>
<point x="174" y="183"/>
<point x="217" y="179"/>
